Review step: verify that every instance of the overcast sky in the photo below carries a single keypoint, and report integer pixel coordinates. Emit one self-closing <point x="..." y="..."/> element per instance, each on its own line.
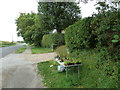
<point x="10" y="9"/>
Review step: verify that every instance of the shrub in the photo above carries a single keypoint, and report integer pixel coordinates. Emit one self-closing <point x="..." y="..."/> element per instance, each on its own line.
<point x="100" y="30"/>
<point x="106" y="26"/>
<point x="56" y="39"/>
<point x="61" y="51"/>
<point x="96" y="71"/>
<point x="78" y="36"/>
<point x="100" y="67"/>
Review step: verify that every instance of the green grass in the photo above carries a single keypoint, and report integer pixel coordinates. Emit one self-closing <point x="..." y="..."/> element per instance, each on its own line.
<point x="21" y="50"/>
<point x="36" y="50"/>
<point x="56" y="79"/>
<point x="93" y="73"/>
<point x="6" y="44"/>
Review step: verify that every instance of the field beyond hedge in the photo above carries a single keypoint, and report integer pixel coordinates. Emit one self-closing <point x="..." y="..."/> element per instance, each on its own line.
<point x="6" y="43"/>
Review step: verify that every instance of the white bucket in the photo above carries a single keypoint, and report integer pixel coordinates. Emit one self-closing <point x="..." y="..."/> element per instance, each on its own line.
<point x="60" y="68"/>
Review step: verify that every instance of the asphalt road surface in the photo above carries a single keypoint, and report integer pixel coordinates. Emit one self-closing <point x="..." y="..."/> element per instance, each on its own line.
<point x="16" y="71"/>
<point x="7" y="50"/>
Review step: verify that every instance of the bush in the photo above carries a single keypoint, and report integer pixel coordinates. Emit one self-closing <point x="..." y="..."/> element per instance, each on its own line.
<point x="56" y="39"/>
<point x="61" y="51"/>
<point x="100" y="30"/>
<point x="78" y="36"/>
<point x="96" y="71"/>
<point x="106" y="26"/>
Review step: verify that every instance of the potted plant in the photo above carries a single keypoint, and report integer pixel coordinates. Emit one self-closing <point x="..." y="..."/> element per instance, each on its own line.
<point x="68" y="62"/>
<point x="61" y="60"/>
<point x="75" y="61"/>
<point x="65" y="63"/>
<point x="78" y="62"/>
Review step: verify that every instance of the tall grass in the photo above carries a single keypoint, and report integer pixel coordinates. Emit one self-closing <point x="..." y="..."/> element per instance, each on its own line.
<point x="93" y="72"/>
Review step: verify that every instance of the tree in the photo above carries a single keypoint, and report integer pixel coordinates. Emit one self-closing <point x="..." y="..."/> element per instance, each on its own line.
<point x="25" y="25"/>
<point x="38" y="31"/>
<point x="29" y="27"/>
<point x="58" y="15"/>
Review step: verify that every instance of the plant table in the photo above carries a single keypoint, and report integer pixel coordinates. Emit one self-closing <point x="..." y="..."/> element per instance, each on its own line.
<point x="67" y="66"/>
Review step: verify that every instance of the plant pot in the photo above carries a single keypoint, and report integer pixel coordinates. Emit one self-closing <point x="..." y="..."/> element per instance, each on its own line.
<point x="65" y="64"/>
<point x="70" y="63"/>
<point x="78" y="63"/>
<point x="61" y="60"/>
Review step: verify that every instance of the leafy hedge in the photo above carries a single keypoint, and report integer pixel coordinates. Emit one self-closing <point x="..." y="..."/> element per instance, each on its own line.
<point x="106" y="26"/>
<point x="100" y="30"/>
<point x="79" y="35"/>
<point x="56" y="39"/>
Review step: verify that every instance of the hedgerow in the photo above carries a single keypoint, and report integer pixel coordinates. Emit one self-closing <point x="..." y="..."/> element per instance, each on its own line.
<point x="56" y="39"/>
<point x="79" y="35"/>
<point x="100" y="32"/>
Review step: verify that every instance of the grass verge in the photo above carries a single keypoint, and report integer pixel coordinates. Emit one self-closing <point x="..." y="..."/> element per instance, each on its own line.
<point x="21" y="50"/>
<point x="36" y="50"/>
<point x="6" y="43"/>
<point x="56" y="79"/>
<point x="93" y="73"/>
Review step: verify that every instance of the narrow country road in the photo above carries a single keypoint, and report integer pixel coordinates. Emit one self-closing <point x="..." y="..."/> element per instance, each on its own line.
<point x="17" y="72"/>
<point x="7" y="50"/>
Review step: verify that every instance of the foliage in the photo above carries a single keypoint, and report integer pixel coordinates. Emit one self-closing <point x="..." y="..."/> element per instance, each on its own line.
<point x="36" y="50"/>
<point x="106" y="26"/>
<point x="25" y="23"/>
<point x="101" y="32"/>
<point x="96" y="71"/>
<point x="62" y="51"/>
<point x="56" y="39"/>
<point x="6" y="43"/>
<point x="21" y="50"/>
<point x="55" y="79"/>
<point x="58" y="15"/>
<point x="38" y="31"/>
<point x="29" y="27"/>
<point x="32" y="26"/>
<point x="78" y="35"/>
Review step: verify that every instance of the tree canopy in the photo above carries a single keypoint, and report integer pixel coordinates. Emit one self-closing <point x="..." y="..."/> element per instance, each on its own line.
<point x="28" y="27"/>
<point x="58" y="15"/>
<point x="52" y="15"/>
